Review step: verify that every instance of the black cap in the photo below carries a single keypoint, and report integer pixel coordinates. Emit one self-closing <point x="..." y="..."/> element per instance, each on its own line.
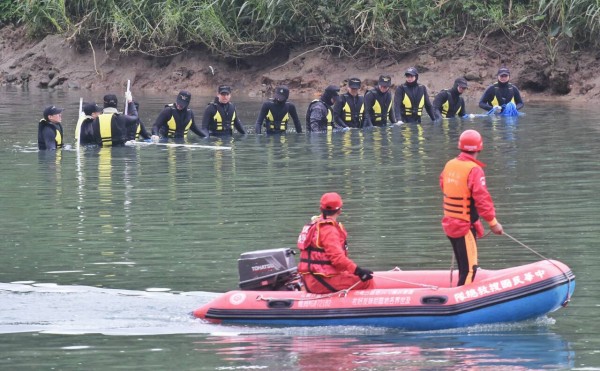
<point x="354" y="83"/>
<point x="412" y="71"/>
<point x="183" y="98"/>
<point x="51" y="110"/>
<point x="384" y="80"/>
<point x="90" y="108"/>
<point x="503" y="71"/>
<point x="110" y="100"/>
<point x="282" y="93"/>
<point x="462" y="82"/>
<point x="224" y="89"/>
<point x="332" y="91"/>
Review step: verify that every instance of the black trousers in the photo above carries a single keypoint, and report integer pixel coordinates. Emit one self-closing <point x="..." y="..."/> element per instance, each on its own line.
<point x="465" y="252"/>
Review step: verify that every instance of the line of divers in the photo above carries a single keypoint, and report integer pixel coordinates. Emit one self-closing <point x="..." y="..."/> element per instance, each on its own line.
<point x="332" y="111"/>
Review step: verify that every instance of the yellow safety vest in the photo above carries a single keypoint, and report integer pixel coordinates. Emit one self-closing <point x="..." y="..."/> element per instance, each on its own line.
<point x="446" y="107"/>
<point x="218" y="120"/>
<point x="377" y="109"/>
<point x="347" y="117"/>
<point x="172" y="125"/>
<point x="408" y="105"/>
<point x="271" y="122"/>
<point x="58" y="138"/>
<point x="105" y="124"/>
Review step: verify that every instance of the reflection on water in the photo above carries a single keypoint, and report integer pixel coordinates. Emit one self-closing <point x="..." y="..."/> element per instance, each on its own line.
<point x="513" y="350"/>
<point x="178" y="217"/>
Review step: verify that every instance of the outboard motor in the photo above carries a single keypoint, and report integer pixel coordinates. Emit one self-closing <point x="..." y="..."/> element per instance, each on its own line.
<point x="268" y="270"/>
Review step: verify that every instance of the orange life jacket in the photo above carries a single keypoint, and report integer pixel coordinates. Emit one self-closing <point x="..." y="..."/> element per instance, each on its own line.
<point x="457" y="195"/>
<point x="312" y="255"/>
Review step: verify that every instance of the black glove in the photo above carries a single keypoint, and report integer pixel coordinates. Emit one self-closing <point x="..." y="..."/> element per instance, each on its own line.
<point x="363" y="274"/>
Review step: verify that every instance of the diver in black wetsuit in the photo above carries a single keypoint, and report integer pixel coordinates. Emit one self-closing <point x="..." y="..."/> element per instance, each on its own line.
<point x="500" y="93"/>
<point x="411" y="97"/>
<point x="379" y="104"/>
<point x="275" y="113"/>
<point x="140" y="129"/>
<point x="220" y="116"/>
<point x="50" y="130"/>
<point x="448" y="103"/>
<point x="175" y="120"/>
<point x="86" y="133"/>
<point x="349" y="109"/>
<point x="319" y="115"/>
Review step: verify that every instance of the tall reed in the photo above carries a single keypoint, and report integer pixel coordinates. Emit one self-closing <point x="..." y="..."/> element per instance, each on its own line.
<point x="240" y="28"/>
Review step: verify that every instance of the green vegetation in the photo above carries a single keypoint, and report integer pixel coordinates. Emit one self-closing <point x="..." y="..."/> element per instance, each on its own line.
<point x="8" y="11"/>
<point x="237" y="28"/>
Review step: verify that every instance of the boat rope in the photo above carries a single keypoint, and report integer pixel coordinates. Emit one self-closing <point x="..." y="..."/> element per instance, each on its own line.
<point x="424" y="285"/>
<point x="568" y="299"/>
<point x="341" y="294"/>
<point x="452" y="269"/>
<point x="525" y="246"/>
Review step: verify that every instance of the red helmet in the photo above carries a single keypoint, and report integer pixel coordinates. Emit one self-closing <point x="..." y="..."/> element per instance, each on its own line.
<point x="331" y="201"/>
<point x="470" y="141"/>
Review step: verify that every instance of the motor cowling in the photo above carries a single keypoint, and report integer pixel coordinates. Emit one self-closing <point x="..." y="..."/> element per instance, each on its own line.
<point x="271" y="270"/>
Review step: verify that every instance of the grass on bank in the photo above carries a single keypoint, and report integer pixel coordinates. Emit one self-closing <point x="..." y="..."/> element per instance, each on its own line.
<point x="237" y="28"/>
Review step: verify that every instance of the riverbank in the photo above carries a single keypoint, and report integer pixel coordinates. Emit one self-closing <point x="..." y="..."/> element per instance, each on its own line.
<point x="54" y="63"/>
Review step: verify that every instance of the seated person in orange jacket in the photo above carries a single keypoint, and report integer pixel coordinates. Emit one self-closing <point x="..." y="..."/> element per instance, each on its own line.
<point x="324" y="263"/>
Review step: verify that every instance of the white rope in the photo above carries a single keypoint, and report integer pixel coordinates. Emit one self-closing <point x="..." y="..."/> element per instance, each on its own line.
<point x="410" y="283"/>
<point x="568" y="299"/>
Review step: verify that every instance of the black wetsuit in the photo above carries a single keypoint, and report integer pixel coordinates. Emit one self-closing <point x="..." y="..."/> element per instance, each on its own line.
<point x="348" y="110"/>
<point x="182" y="121"/>
<point x="274" y="115"/>
<point x="448" y="104"/>
<point x="409" y="101"/>
<point x="319" y="115"/>
<point x="219" y="119"/>
<point x="140" y="131"/>
<point x="86" y="132"/>
<point x="499" y="94"/>
<point x="50" y="135"/>
<point x="385" y="110"/>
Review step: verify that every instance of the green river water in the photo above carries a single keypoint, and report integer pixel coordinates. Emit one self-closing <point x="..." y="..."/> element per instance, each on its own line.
<point x="105" y="252"/>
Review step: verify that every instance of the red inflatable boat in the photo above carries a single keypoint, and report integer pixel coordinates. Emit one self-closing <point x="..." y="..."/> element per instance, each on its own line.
<point x="410" y="300"/>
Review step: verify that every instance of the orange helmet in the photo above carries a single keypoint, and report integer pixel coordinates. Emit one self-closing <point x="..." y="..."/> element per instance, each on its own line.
<point x="470" y="141"/>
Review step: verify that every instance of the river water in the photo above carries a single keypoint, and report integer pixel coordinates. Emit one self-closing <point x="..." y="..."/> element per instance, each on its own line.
<point x="105" y="253"/>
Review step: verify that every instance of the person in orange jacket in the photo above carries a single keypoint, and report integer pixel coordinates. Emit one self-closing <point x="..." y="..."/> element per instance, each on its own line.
<point x="466" y="198"/>
<point x="324" y="263"/>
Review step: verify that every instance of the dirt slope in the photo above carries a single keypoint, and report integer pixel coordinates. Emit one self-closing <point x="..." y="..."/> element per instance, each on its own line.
<point x="55" y="63"/>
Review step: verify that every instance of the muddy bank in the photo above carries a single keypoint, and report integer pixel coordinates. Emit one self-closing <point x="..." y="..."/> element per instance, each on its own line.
<point x="54" y="63"/>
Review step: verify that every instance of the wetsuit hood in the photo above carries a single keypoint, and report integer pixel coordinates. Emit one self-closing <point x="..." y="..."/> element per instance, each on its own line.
<point x="218" y="102"/>
<point x="329" y="93"/>
<point x="461" y="81"/>
<point x="184" y="108"/>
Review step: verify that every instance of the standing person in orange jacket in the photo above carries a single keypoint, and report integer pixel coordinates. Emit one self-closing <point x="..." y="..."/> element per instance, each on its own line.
<point x="466" y="198"/>
<point x="324" y="263"/>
